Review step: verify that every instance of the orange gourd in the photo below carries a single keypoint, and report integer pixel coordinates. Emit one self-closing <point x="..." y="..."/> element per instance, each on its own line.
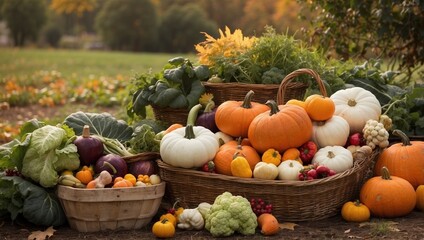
<point x="319" y="108"/>
<point x="271" y="156"/>
<point x="173" y="127"/>
<point x="403" y="160"/>
<point x="170" y="217"/>
<point x="268" y="224"/>
<point x="120" y="182"/>
<point x="296" y="102"/>
<point x="388" y="196"/>
<point x="291" y="154"/>
<point x="225" y="155"/>
<point x="234" y="117"/>
<point x="281" y="128"/>
<point x="85" y="175"/>
<point x="130" y="177"/>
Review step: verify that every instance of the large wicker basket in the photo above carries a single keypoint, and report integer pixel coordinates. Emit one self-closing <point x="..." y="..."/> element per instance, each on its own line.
<point x="291" y="200"/>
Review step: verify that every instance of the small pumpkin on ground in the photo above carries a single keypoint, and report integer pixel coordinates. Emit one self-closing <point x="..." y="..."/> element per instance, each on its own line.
<point x="163" y="229"/>
<point x="355" y="211"/>
<point x="268" y="224"/>
<point x="405" y="160"/>
<point x="388" y="196"/>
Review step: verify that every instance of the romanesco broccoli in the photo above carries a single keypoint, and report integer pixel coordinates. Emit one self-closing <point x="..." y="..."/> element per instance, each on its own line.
<point x="230" y="214"/>
<point x="273" y="76"/>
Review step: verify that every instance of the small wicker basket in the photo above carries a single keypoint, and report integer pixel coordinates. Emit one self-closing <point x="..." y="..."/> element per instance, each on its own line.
<point x="102" y="209"/>
<point x="237" y="92"/>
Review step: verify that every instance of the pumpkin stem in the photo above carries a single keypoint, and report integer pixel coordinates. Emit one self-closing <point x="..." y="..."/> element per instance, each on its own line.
<point x="357" y="202"/>
<point x="247" y="102"/>
<point x="209" y="107"/>
<point x="86" y="131"/>
<point x="330" y="154"/>
<point x="403" y="137"/>
<point x="192" y="114"/>
<point x="385" y="174"/>
<point x="189" y="132"/>
<point x="351" y="102"/>
<point x="273" y="106"/>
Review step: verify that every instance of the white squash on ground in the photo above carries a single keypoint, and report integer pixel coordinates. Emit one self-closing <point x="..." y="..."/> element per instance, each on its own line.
<point x="289" y="170"/>
<point x="356" y="105"/>
<point x="333" y="132"/>
<point x="336" y="158"/>
<point x="179" y="150"/>
<point x="191" y="219"/>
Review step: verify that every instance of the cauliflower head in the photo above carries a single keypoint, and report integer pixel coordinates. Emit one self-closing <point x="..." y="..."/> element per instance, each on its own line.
<point x="230" y="214"/>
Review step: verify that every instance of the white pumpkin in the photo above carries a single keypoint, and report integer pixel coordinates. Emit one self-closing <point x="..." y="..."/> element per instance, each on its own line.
<point x="265" y="170"/>
<point x="336" y="158"/>
<point x="289" y="170"/>
<point x="333" y="132"/>
<point x="357" y="106"/>
<point x="188" y="147"/>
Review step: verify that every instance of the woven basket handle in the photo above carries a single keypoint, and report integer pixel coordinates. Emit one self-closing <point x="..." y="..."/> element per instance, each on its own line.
<point x="290" y="76"/>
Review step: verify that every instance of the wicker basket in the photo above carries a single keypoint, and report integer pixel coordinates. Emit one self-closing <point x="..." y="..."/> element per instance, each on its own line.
<point x="93" y="210"/>
<point x="291" y="200"/>
<point x="263" y="92"/>
<point x="170" y="115"/>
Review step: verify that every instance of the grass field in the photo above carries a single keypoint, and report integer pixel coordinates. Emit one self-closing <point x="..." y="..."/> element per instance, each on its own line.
<point x="50" y="84"/>
<point x="24" y="62"/>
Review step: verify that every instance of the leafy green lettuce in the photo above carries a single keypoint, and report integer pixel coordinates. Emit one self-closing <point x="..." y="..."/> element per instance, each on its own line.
<point x="36" y="204"/>
<point x="50" y="151"/>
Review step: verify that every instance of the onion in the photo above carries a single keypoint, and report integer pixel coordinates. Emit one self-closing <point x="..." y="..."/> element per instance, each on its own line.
<point x="142" y="167"/>
<point x="89" y="148"/>
<point x="114" y="163"/>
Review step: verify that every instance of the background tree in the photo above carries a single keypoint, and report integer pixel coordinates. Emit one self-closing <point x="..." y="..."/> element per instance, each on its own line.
<point x="130" y="26"/>
<point x="24" y="19"/>
<point x="182" y="26"/>
<point x="390" y="29"/>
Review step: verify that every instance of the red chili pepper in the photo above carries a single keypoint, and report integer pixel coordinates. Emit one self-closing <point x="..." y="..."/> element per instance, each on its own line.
<point x="307" y="152"/>
<point x="209" y="167"/>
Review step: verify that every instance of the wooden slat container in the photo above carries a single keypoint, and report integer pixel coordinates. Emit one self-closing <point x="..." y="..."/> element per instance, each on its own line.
<point x="93" y="210"/>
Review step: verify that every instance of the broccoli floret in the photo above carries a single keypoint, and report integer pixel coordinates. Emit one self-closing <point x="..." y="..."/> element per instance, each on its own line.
<point x="230" y="214"/>
<point x="273" y="76"/>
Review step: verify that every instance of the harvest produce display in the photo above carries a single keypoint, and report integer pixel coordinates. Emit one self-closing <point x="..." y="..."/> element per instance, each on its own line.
<point x="320" y="138"/>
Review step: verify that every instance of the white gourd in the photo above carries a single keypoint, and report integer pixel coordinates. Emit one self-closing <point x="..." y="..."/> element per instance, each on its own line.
<point x="336" y="158"/>
<point x="333" y="132"/>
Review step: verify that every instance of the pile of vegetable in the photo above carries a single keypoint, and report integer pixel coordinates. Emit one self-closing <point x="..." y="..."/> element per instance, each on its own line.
<point x="87" y="150"/>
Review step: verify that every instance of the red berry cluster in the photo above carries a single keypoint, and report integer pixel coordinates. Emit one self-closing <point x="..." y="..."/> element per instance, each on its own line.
<point x="259" y="206"/>
<point x="12" y="172"/>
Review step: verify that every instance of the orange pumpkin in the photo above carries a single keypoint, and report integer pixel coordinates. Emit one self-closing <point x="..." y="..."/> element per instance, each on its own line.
<point x="234" y="117"/>
<point x="403" y="160"/>
<point x="225" y="156"/>
<point x="420" y="197"/>
<point x="120" y="182"/>
<point x="319" y="108"/>
<point x="85" y="175"/>
<point x="388" y="196"/>
<point x="291" y="154"/>
<point x="281" y="128"/>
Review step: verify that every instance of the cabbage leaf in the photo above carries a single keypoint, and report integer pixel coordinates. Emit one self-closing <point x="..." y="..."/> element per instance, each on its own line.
<point x="36" y="204"/>
<point x="102" y="124"/>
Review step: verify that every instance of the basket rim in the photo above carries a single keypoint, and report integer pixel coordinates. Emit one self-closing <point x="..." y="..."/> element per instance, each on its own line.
<point x="358" y="165"/>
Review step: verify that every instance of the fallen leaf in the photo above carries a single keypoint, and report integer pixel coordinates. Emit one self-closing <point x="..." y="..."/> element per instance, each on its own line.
<point x="347" y="231"/>
<point x="288" y="225"/>
<point x="42" y="235"/>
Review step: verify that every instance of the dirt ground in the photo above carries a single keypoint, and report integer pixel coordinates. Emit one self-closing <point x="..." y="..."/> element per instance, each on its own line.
<point x="408" y="227"/>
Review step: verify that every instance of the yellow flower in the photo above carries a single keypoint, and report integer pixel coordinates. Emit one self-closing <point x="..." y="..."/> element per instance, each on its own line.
<point x="227" y="45"/>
